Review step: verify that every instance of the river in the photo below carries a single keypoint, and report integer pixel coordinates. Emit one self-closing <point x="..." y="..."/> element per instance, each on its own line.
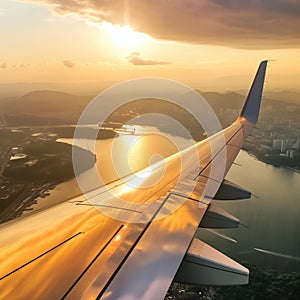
<point x="272" y="239"/>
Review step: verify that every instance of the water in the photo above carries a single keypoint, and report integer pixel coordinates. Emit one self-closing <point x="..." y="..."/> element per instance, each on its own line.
<point x="130" y="153"/>
<point x="272" y="238"/>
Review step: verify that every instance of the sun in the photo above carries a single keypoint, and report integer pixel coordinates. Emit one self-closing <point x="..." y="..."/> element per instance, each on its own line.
<point x="125" y="37"/>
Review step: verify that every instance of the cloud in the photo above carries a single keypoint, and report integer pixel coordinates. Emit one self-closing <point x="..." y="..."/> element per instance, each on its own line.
<point x="252" y="24"/>
<point x="137" y="60"/>
<point x="68" y="64"/>
<point x="3" y="65"/>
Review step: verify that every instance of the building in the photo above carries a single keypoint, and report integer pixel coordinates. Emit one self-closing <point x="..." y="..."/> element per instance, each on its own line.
<point x="290" y="153"/>
<point x="297" y="145"/>
<point x="276" y="144"/>
<point x="16" y="150"/>
<point x="286" y="145"/>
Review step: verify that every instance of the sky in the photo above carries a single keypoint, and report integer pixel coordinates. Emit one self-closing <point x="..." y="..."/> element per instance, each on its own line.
<point x="207" y="44"/>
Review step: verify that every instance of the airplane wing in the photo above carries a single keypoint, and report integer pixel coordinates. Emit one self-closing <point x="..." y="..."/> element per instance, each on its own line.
<point x="73" y="251"/>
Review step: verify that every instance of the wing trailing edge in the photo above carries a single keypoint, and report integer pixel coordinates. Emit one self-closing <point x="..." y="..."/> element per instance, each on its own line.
<point x="250" y="110"/>
<point x="204" y="265"/>
<point x="231" y="191"/>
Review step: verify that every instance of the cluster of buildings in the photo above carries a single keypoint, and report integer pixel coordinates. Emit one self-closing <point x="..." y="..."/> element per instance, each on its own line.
<point x="286" y="147"/>
<point x="277" y="138"/>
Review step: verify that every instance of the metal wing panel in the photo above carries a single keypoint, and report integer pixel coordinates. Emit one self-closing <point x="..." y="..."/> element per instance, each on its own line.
<point x="149" y="270"/>
<point x="39" y="260"/>
<point x="101" y="244"/>
<point x="81" y="252"/>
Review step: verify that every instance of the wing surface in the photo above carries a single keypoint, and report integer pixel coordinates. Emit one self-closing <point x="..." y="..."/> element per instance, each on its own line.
<point x="72" y="251"/>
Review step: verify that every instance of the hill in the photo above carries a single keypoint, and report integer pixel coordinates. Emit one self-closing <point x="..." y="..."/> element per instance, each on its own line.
<point x="43" y="108"/>
<point x="47" y="107"/>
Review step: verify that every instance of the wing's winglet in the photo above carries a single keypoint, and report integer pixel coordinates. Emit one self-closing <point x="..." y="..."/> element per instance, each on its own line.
<point x="251" y="107"/>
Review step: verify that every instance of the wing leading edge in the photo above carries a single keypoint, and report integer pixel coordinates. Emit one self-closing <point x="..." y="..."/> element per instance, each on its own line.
<point x="72" y="251"/>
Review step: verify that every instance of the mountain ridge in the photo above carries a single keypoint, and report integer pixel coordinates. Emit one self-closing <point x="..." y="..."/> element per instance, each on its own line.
<point x="62" y="107"/>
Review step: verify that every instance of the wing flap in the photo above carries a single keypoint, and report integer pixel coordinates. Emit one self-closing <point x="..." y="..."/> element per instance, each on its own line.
<point x="204" y="265"/>
<point x="216" y="217"/>
<point x="230" y="191"/>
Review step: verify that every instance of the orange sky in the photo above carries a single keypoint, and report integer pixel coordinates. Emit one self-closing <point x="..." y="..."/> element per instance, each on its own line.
<point x="210" y="45"/>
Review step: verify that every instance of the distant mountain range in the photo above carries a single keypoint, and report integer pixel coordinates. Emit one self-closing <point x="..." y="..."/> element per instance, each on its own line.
<point x="51" y="107"/>
<point x="38" y="106"/>
<point x="284" y="96"/>
<point x="19" y="89"/>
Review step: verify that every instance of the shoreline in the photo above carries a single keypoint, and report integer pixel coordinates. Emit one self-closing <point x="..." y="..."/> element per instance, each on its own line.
<point x="258" y="158"/>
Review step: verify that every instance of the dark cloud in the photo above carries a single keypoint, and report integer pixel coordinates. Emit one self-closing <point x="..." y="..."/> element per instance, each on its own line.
<point x="3" y="65"/>
<point x="68" y="64"/>
<point x="137" y="60"/>
<point x="251" y="24"/>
